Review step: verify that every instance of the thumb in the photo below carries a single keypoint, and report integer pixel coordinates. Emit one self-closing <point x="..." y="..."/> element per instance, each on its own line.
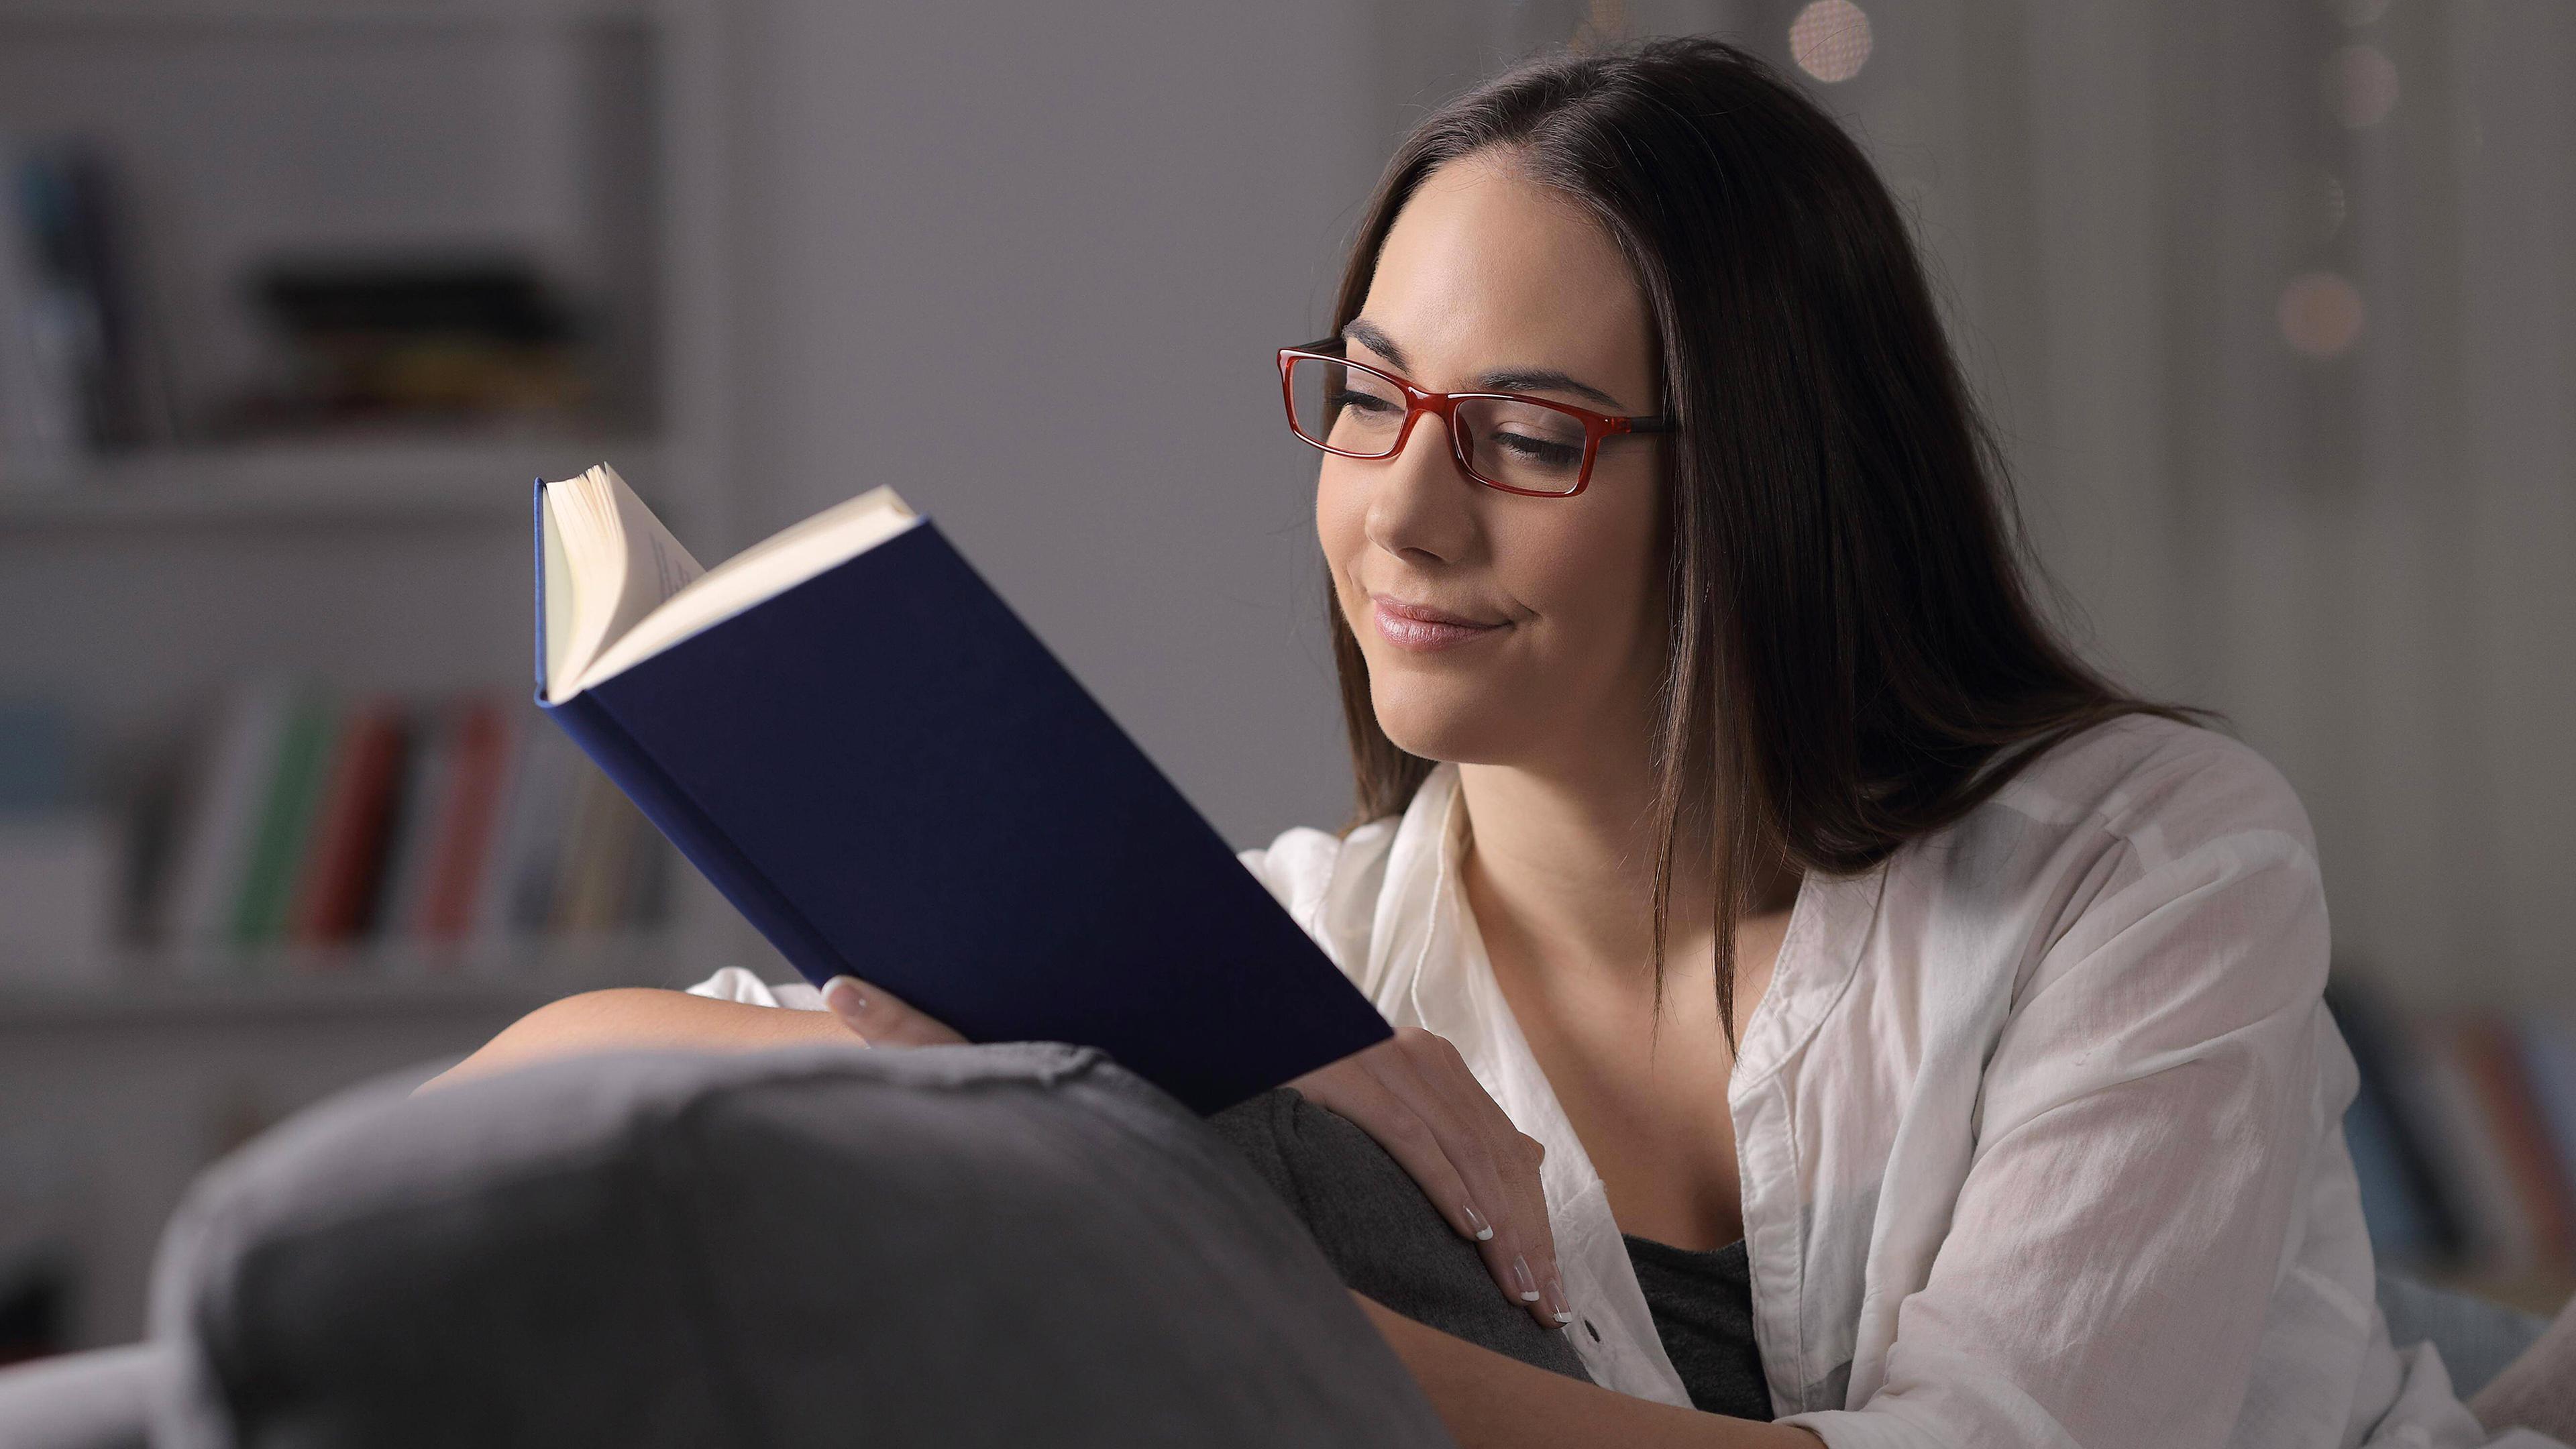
<point x="881" y="1018"/>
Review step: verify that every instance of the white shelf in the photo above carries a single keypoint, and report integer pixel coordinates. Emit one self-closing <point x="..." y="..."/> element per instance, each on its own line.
<point x="395" y="980"/>
<point x="387" y="482"/>
<point x="330" y="14"/>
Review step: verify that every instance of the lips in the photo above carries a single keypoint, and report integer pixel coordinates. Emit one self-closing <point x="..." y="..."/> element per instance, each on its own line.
<point x="1422" y="628"/>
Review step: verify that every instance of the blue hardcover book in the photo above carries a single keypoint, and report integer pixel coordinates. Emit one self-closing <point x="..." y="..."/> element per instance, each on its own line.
<point x="877" y="763"/>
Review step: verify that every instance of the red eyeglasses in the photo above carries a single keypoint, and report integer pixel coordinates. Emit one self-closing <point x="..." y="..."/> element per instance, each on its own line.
<point x="1506" y="440"/>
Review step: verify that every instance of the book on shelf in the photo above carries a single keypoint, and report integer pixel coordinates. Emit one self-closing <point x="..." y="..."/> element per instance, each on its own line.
<point x="335" y="881"/>
<point x="60" y="854"/>
<point x="77" y="372"/>
<point x="2463" y="1134"/>
<point x="2492" y="1056"/>
<point x="317" y="820"/>
<point x="292" y="800"/>
<point x="857" y="742"/>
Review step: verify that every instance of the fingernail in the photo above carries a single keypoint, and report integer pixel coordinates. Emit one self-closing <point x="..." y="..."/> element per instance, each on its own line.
<point x="1557" y="1307"/>
<point x="1521" y="1276"/>
<point x="1476" y="1220"/>
<point x="843" y="996"/>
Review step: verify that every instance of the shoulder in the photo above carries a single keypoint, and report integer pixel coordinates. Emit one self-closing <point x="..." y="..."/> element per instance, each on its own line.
<point x="2141" y="851"/>
<point x="1328" y="883"/>
<point x="2159" y="905"/>
<point x="2159" y="787"/>
<point x="2157" y="858"/>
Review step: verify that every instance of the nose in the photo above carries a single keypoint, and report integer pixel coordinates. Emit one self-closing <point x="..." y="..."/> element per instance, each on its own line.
<point x="1421" y="504"/>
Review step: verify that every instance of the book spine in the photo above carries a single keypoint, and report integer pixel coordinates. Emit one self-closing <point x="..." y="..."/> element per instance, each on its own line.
<point x="467" y="823"/>
<point x="303" y="755"/>
<point x="537" y="496"/>
<point x="527" y="853"/>
<point x="40" y="432"/>
<point x="2495" y="1070"/>
<point x="2548" y="1051"/>
<point x="230" y="789"/>
<point x="599" y="869"/>
<point x="579" y="857"/>
<point x="2502" y="1234"/>
<point x="413" y="832"/>
<point x="349" y="837"/>
<point x="707" y="846"/>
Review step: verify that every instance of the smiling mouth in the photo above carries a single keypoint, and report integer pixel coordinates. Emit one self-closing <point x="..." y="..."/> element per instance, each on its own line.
<point x="1423" y="630"/>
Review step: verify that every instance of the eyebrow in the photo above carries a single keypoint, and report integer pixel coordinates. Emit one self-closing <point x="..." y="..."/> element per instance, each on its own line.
<point x="1507" y="379"/>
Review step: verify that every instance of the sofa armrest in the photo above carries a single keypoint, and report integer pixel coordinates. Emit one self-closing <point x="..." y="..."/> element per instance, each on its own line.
<point x="97" y="1400"/>
<point x="818" y="1246"/>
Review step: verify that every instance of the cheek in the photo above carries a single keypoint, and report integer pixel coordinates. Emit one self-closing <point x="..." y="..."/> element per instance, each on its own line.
<point x="1592" y="579"/>
<point x="1341" y="510"/>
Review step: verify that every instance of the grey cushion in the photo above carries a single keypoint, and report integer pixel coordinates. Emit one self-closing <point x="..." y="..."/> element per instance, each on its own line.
<point x="972" y="1245"/>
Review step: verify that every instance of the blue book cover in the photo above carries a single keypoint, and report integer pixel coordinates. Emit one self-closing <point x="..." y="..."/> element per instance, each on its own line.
<point x="2548" y="1050"/>
<point x="891" y="777"/>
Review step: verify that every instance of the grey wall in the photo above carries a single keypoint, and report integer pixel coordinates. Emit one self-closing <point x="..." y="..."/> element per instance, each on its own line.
<point x="1027" y="264"/>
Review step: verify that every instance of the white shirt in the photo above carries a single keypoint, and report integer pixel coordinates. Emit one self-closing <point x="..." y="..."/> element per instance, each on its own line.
<point x="2039" y="1123"/>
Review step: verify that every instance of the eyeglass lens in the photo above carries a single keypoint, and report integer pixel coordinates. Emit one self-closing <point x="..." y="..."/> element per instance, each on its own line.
<point x="1519" y="445"/>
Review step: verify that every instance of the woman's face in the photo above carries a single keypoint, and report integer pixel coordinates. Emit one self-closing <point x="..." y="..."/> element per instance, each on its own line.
<point x="1502" y="629"/>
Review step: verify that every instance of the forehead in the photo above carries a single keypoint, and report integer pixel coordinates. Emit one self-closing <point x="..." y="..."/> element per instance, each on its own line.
<point x="1485" y="267"/>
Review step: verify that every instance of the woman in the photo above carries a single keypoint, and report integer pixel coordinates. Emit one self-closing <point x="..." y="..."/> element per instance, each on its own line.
<point x="1777" y="915"/>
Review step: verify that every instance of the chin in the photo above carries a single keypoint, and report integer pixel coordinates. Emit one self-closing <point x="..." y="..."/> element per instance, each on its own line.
<point x="1442" y="724"/>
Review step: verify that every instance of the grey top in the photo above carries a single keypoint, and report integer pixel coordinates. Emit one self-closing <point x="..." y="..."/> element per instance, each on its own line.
<point x="1702" y="1301"/>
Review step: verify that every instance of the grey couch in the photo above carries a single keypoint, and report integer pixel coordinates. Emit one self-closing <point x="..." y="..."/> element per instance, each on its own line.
<point x="953" y="1246"/>
<point x="1007" y="1245"/>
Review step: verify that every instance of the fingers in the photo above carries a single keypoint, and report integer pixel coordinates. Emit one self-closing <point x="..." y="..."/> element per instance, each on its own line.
<point x="1415" y="1096"/>
<point x="881" y="1018"/>
<point x="1500" y="1171"/>
<point x="1360" y="1097"/>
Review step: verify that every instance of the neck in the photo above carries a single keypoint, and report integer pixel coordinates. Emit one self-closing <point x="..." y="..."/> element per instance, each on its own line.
<point x="1563" y="862"/>
<point x="1566" y="863"/>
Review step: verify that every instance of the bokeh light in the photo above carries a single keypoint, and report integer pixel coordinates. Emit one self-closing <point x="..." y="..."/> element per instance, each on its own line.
<point x="2321" y="314"/>
<point x="1830" y="40"/>
<point x="2328" y="205"/>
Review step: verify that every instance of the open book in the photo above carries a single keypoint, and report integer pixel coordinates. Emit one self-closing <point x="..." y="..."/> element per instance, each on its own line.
<point x="633" y="574"/>
<point x="857" y="742"/>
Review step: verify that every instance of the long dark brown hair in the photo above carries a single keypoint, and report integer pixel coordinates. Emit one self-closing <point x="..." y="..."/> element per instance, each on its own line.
<point x="1855" y="658"/>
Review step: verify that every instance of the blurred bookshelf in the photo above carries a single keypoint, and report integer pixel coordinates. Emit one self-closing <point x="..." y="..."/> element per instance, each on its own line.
<point x="334" y="14"/>
<point x="393" y="482"/>
<point x="336" y="982"/>
<point x="296" y="299"/>
<point x="2462" y="1132"/>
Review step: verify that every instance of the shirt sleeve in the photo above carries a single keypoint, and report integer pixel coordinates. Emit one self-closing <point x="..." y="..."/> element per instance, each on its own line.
<point x="733" y="983"/>
<point x="2145" y="1127"/>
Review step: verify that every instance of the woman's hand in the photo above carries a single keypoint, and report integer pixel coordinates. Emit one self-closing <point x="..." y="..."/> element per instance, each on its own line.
<point x="880" y="1018"/>
<point x="628" y="1018"/>
<point x="1414" y="1094"/>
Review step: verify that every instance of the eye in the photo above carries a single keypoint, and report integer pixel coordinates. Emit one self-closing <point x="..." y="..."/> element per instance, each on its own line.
<point x="1362" y="402"/>
<point x="1545" y="452"/>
